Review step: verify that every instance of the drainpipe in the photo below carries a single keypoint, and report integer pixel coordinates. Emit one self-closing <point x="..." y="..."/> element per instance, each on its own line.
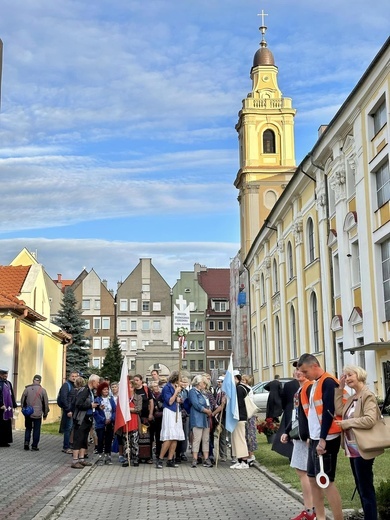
<point x="249" y="336"/>
<point x="17" y="349"/>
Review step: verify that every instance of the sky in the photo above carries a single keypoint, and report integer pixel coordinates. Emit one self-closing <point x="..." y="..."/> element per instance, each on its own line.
<point x="117" y="121"/>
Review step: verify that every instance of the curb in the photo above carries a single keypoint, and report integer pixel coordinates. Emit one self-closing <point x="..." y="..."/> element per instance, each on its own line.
<point x="286" y="487"/>
<point x="66" y="493"/>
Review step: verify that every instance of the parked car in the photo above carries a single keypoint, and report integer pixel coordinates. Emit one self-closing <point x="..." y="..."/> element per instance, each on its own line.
<point x="260" y="394"/>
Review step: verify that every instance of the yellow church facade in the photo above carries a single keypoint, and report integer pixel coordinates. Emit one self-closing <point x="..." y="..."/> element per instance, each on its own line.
<point x="317" y="258"/>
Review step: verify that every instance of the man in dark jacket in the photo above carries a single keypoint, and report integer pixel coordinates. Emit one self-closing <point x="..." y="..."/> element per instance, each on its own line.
<point x="274" y="403"/>
<point x="36" y="396"/>
<point x="64" y="401"/>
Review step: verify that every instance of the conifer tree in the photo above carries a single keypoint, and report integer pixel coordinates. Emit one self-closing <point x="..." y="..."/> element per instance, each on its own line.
<point x="112" y="363"/>
<point x="70" y="320"/>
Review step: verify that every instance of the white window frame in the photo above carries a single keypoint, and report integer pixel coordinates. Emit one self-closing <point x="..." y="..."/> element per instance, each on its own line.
<point x="156" y="306"/>
<point x="96" y="362"/>
<point x="200" y="344"/>
<point x="133" y="325"/>
<point x="123" y="325"/>
<point x="157" y="325"/>
<point x="97" y="343"/>
<point x="133" y="305"/>
<point x="211" y="344"/>
<point x="97" y="323"/>
<point x="145" y="326"/>
<point x="106" y="323"/>
<point x="86" y="304"/>
<point x="105" y="343"/>
<point x="87" y="324"/>
<point x="96" y="304"/>
<point x="123" y="304"/>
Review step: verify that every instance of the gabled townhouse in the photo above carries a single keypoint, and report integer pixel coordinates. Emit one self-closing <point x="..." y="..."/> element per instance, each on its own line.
<point x="216" y="284"/>
<point x="144" y="320"/>
<point x="188" y="289"/>
<point x="97" y="304"/>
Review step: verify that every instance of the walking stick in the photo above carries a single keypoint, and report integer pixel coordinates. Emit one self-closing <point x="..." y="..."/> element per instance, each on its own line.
<point x="127" y="444"/>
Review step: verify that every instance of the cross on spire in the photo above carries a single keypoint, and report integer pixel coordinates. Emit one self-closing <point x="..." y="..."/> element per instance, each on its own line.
<point x="262" y="14"/>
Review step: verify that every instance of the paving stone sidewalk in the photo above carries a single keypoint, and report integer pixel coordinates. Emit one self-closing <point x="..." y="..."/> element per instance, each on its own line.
<point x="42" y="486"/>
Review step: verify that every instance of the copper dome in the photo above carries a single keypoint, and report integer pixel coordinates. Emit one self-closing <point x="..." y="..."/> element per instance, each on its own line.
<point x="263" y="57"/>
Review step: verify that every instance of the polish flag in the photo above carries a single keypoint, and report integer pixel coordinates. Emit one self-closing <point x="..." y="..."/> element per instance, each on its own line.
<point x="123" y="415"/>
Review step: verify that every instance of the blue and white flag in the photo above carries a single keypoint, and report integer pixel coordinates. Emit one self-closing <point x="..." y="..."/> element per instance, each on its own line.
<point x="229" y="387"/>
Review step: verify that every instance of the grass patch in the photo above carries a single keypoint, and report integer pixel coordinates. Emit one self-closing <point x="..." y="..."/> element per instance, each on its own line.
<point x="51" y="428"/>
<point x="280" y="466"/>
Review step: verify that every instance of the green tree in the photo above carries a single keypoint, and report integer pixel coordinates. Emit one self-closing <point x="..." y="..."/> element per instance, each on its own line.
<point x="112" y="364"/>
<point x="70" y="320"/>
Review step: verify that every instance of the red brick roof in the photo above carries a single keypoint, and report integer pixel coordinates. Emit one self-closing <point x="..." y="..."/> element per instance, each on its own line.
<point x="12" y="278"/>
<point x="215" y="282"/>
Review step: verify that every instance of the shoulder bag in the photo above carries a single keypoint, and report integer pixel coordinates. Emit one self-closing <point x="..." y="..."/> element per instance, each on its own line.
<point x="376" y="438"/>
<point x="251" y="408"/>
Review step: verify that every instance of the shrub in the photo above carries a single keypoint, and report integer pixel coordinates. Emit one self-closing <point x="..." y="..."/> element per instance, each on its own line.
<point x="383" y="500"/>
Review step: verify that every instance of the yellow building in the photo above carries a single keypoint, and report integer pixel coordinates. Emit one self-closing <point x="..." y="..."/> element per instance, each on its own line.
<point x="29" y="343"/>
<point x="318" y="265"/>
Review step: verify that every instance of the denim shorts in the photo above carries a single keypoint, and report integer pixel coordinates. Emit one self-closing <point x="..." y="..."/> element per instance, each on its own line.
<point x="329" y="458"/>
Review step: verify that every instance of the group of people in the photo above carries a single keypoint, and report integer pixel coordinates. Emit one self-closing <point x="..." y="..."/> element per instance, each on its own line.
<point x="169" y="416"/>
<point x="324" y="418"/>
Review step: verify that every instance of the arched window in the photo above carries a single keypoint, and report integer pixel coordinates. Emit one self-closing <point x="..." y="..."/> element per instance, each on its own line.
<point x="290" y="262"/>
<point x="310" y="241"/>
<point x="314" y="322"/>
<point x="265" y="347"/>
<point x="254" y="352"/>
<point x="277" y="341"/>
<point x="293" y="334"/>
<point x="262" y="289"/>
<point x="275" y="276"/>
<point x="269" y="142"/>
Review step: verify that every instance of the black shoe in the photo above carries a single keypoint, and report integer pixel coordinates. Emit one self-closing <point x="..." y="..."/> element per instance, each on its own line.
<point x="178" y="460"/>
<point x="27" y="447"/>
<point x="159" y="464"/>
<point x="184" y="457"/>
<point x="125" y="464"/>
<point x="34" y="448"/>
<point x="172" y="464"/>
<point x="136" y="464"/>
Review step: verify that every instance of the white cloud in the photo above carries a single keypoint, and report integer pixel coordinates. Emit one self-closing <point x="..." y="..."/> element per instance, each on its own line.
<point x="114" y="261"/>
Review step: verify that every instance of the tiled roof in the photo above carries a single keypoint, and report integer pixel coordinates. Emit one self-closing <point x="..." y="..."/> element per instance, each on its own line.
<point x="215" y="282"/>
<point x="9" y="301"/>
<point x="12" y="279"/>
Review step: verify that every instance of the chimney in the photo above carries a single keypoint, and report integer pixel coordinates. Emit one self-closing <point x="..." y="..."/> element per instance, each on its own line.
<point x="104" y="282"/>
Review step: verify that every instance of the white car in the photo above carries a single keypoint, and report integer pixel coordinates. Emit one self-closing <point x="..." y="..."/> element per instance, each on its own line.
<point x="260" y="394"/>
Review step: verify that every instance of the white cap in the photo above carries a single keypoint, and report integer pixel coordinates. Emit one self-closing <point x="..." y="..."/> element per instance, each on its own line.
<point x="221" y="378"/>
<point x="236" y="372"/>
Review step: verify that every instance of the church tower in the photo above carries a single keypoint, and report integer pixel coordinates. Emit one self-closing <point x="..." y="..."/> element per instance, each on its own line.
<point x="266" y="145"/>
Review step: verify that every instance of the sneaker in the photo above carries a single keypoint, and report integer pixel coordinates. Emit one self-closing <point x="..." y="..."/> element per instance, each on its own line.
<point x="235" y="466"/>
<point x="172" y="464"/>
<point x="100" y="461"/>
<point x="27" y="447"/>
<point x="243" y="465"/>
<point x="34" y="448"/>
<point x="159" y="464"/>
<point x="136" y="464"/>
<point x="304" y="515"/>
<point x="223" y="460"/>
<point x="121" y="459"/>
<point x="108" y="461"/>
<point x="183" y="457"/>
<point x="207" y="463"/>
<point x="251" y="461"/>
<point x="194" y="464"/>
<point x="125" y="464"/>
<point x="234" y="460"/>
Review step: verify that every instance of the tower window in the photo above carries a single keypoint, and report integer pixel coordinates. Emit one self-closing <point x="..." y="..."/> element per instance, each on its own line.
<point x="269" y="142"/>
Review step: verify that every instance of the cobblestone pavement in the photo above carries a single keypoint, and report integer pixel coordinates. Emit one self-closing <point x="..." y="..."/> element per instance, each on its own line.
<point x="146" y="493"/>
<point x="41" y="486"/>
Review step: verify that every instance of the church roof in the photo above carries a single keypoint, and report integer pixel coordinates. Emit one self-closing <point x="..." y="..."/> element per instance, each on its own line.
<point x="263" y="56"/>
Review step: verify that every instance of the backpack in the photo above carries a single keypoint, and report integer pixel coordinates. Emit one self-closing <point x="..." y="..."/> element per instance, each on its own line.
<point x="59" y="401"/>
